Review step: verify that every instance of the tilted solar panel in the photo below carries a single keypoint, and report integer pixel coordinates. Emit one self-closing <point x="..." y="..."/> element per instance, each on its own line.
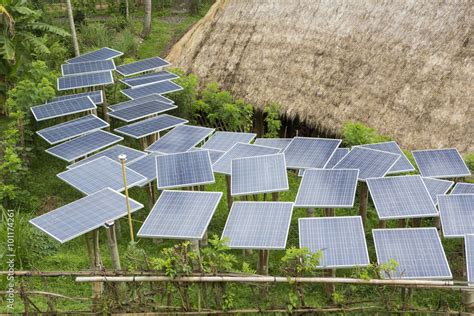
<point x="456" y="212"/>
<point x="138" y="101"/>
<point x="223" y="141"/>
<point x="180" y="139"/>
<point x="281" y="143"/>
<point x="214" y="154"/>
<point x="85" y="80"/>
<point x="441" y="163"/>
<point x="162" y="87"/>
<point x="463" y="188"/>
<point x="150" y="126"/>
<point x="308" y="152"/>
<point x="146" y="166"/>
<point x="436" y="187"/>
<point x="96" y="97"/>
<point x="142" y="65"/>
<point x="402" y="165"/>
<point x="137" y="112"/>
<point x="87" y="67"/>
<point x="469" y="245"/>
<point x="100" y="54"/>
<point x="62" y="108"/>
<point x="149" y="78"/>
<point x="336" y="157"/>
<point x="113" y="153"/>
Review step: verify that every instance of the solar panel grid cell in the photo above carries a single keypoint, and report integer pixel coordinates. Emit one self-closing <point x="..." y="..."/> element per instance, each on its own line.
<point x="441" y="163"/>
<point x="402" y="165"/>
<point x="149" y="78"/>
<point x="142" y="65"/>
<point x="162" y="87"/>
<point x="150" y="126"/>
<point x="62" y="108"/>
<point x="436" y="187"/>
<point x="113" y="153"/>
<point x="138" y="101"/>
<point x="469" y="246"/>
<point x="308" y="152"/>
<point x="96" y="97"/>
<point x="223" y="141"/>
<point x="146" y="166"/>
<point x="335" y="158"/>
<point x="180" y="139"/>
<point x="87" y="67"/>
<point x="137" y="112"/>
<point x="85" y="80"/>
<point x="281" y="143"/>
<point x="100" y="54"/>
<point x="214" y="154"/>
<point x="463" y="188"/>
<point x="457" y="214"/>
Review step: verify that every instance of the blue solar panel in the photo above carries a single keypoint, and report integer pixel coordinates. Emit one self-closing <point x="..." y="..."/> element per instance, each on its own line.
<point x="142" y="65"/>
<point x="87" y="67"/>
<point x="261" y="174"/>
<point x="85" y="80"/>
<point x="113" y="153"/>
<point x="402" y="165"/>
<point x="327" y="188"/>
<point x="436" y="187"/>
<point x="83" y="145"/>
<point x="341" y="240"/>
<point x="61" y="132"/>
<point x="99" y="174"/>
<point x="149" y="78"/>
<point x="418" y="252"/>
<point x="180" y="215"/>
<point x="96" y="97"/>
<point x="469" y="244"/>
<point x="180" y="139"/>
<point x="84" y="215"/>
<point x="240" y="150"/>
<point x="140" y="111"/>
<point x="223" y="141"/>
<point x="146" y="166"/>
<point x="150" y="126"/>
<point x="214" y="154"/>
<point x="336" y="157"/>
<point x="62" y="108"/>
<point x="162" y="87"/>
<point x="456" y="212"/>
<point x="370" y="162"/>
<point x="281" y="143"/>
<point x="100" y="54"/>
<point x="184" y="170"/>
<point x="441" y="163"/>
<point x="258" y="225"/>
<point x="308" y="152"/>
<point x="463" y="188"/>
<point x="139" y="101"/>
<point x="401" y="197"/>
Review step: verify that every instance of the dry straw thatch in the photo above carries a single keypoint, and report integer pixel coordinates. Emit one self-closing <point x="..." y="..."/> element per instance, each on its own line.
<point x="403" y="67"/>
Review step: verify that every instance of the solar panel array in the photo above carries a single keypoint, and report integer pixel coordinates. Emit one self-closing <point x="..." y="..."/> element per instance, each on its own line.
<point x="308" y="152"/>
<point x="336" y="157"/>
<point x="84" y="215"/>
<point x="142" y="65"/>
<point x="440" y="163"/>
<point x="139" y="101"/>
<point x="150" y="126"/>
<point x="341" y="240"/>
<point x="180" y="215"/>
<point x="100" y="54"/>
<point x="281" y="143"/>
<point x="214" y="154"/>
<point x="99" y="174"/>
<point x="180" y="139"/>
<point x="327" y="188"/>
<point x="261" y="174"/>
<point x="62" y="108"/>
<point x="371" y="163"/>
<point x="96" y="97"/>
<point x="61" y="132"/>
<point x="418" y="252"/>
<point x="149" y="78"/>
<point x="463" y="188"/>
<point x="85" y="80"/>
<point x="401" y="197"/>
<point x="436" y="187"/>
<point x="113" y="153"/>
<point x="469" y="245"/>
<point x="402" y="165"/>
<point x="241" y="150"/>
<point x="146" y="166"/>
<point x="87" y="67"/>
<point x="184" y="169"/>
<point x="224" y="141"/>
<point x="83" y="145"/>
<point x="456" y="212"/>
<point x="137" y="112"/>
<point x="162" y="87"/>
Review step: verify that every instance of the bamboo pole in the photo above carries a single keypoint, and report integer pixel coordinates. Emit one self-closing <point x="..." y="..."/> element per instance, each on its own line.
<point x="123" y="158"/>
<point x="113" y="247"/>
<point x="363" y="200"/>
<point x="227" y="186"/>
<point x="262" y="267"/>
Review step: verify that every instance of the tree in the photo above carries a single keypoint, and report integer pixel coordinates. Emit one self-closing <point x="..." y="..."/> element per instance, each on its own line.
<point x="75" y="44"/>
<point x="147" y="19"/>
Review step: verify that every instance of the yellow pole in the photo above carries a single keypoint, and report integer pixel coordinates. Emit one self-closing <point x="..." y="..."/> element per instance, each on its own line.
<point x="122" y="161"/>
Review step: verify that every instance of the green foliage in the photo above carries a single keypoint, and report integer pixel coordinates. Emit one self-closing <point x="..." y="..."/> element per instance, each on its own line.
<point x="11" y="166"/>
<point x="215" y="259"/>
<point x="94" y="35"/>
<point x="186" y="98"/>
<point x="299" y="261"/>
<point x="126" y="42"/>
<point x="469" y="159"/>
<point x="116" y="23"/>
<point x="135" y="258"/>
<point x="176" y="260"/>
<point x="358" y="133"/>
<point x="272" y="120"/>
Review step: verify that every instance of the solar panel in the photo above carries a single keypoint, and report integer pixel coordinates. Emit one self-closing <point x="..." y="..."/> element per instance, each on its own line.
<point x="440" y="163"/>
<point x="436" y="187"/>
<point x="463" y="188"/>
<point x="162" y="87"/>
<point x="327" y="188"/>
<point x="456" y="212"/>
<point x="240" y="150"/>
<point x="113" y="153"/>
<point x="281" y="143"/>
<point x="261" y="174"/>
<point x="85" y="80"/>
<point x="150" y="126"/>
<point x="214" y="154"/>
<point x="223" y="141"/>
<point x="418" y="252"/>
<point x="335" y="158"/>
<point x="149" y="78"/>
<point x="99" y="174"/>
<point x="184" y="169"/>
<point x="180" y="139"/>
<point x="146" y="166"/>
<point x="469" y="244"/>
<point x="180" y="215"/>
<point x="87" y="67"/>
<point x="142" y="65"/>
<point x="61" y="108"/>
<point x="258" y="225"/>
<point x="96" y="97"/>
<point x="83" y="145"/>
<point x="402" y="165"/>
<point x="401" y="197"/>
<point x="308" y="152"/>
<point x="139" y="101"/>
<point x="370" y="162"/>
<point x="100" y="54"/>
<point x="341" y="240"/>
<point x="61" y="132"/>
<point x="84" y="215"/>
<point x="140" y="111"/>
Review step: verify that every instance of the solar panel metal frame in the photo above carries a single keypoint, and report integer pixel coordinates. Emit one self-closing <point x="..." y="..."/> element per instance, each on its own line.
<point x="328" y="206"/>
<point x="133" y="164"/>
<point x="329" y="164"/>
<point x="118" y="139"/>
<point x="134" y="206"/>
<point x="93" y="53"/>
<point x="297" y="138"/>
<point x="468" y="173"/>
<point x="43" y="133"/>
<point x="181" y="236"/>
<point x="91" y="107"/>
<point x="91" y="94"/>
<point x="220" y="140"/>
<point x="338" y="218"/>
<point x="173" y="131"/>
<point x="459" y="217"/>
<point x="66" y="72"/>
<point x="127" y="92"/>
<point x="418" y="228"/>
<point x="463" y="188"/>
<point x="70" y="87"/>
<point x="403" y="158"/>
<point x="123" y="129"/>
<point x="449" y="184"/>
<point x="124" y="114"/>
<point x="126" y="151"/>
<point x="130" y="82"/>
<point x="469" y="253"/>
<point x="259" y="141"/>
<point x="126" y="74"/>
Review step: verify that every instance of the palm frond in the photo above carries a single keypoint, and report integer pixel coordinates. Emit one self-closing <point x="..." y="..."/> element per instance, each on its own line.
<point x="39" y="26"/>
<point x="36" y="42"/>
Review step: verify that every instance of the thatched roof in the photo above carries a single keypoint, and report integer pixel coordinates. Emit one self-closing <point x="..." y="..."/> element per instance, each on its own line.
<point x="402" y="67"/>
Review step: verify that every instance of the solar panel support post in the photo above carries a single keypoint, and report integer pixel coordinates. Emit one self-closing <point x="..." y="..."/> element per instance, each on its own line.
<point x="229" y="196"/>
<point x="123" y="158"/>
<point x="402" y="223"/>
<point x="113" y="247"/>
<point x="104" y="107"/>
<point x="467" y="295"/>
<point x="310" y="212"/>
<point x="382" y="223"/>
<point x="363" y="200"/>
<point x="416" y="222"/>
<point x="275" y="196"/>
<point x="195" y="248"/>
<point x="262" y="266"/>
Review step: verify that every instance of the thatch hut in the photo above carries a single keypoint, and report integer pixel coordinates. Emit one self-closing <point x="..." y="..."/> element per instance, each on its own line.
<point x="402" y="67"/>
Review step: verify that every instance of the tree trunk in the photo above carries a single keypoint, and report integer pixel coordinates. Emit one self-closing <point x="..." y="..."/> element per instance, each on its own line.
<point x="147" y="19"/>
<point x="75" y="44"/>
<point x="127" y="10"/>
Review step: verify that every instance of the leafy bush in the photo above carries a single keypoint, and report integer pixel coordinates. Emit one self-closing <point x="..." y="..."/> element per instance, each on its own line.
<point x="126" y="42"/>
<point x="469" y="159"/>
<point x="272" y="120"/>
<point x="95" y="35"/>
<point x="356" y="133"/>
<point x="186" y="98"/>
<point x="116" y="23"/>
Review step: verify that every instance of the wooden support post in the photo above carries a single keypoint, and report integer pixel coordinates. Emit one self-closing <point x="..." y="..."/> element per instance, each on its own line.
<point x="262" y="267"/>
<point x="229" y="196"/>
<point x="204" y="240"/>
<point x="113" y="247"/>
<point x="195" y="248"/>
<point x="105" y="111"/>
<point x="382" y="223"/>
<point x="329" y="212"/>
<point x="143" y="143"/>
<point x="402" y="223"/>
<point x="363" y="200"/>
<point x="437" y="223"/>
<point x="97" y="287"/>
<point x="255" y="197"/>
<point x="310" y="212"/>
<point x="259" y="127"/>
<point x="416" y="222"/>
<point x="151" y="195"/>
<point x="265" y="197"/>
<point x="330" y="288"/>
<point x="275" y="196"/>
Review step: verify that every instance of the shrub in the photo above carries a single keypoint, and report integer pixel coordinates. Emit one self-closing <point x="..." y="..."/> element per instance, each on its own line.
<point x="126" y="42"/>
<point x="95" y="35"/>
<point x="356" y="133"/>
<point x="272" y="120"/>
<point x="469" y="159"/>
